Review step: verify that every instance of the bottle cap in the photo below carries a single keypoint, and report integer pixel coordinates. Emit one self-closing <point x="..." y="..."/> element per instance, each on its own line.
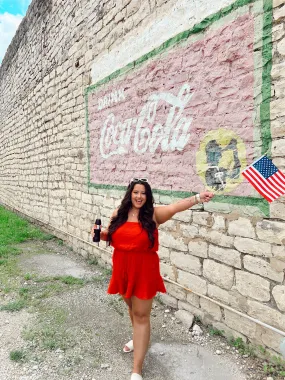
<point x="98" y="222"/>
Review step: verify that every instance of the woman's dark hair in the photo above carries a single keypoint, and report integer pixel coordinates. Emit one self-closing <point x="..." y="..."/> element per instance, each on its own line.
<point x="145" y="213"/>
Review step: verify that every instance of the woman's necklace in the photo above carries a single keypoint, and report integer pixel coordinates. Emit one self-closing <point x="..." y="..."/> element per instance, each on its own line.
<point x="134" y="214"/>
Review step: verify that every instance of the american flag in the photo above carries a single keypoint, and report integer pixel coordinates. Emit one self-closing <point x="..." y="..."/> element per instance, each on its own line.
<point x="266" y="178"/>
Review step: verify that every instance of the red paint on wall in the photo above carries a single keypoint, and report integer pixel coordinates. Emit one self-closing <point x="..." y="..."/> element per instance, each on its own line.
<point x="134" y="119"/>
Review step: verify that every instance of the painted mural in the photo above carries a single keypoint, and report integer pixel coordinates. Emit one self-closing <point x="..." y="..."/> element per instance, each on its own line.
<point x="183" y="116"/>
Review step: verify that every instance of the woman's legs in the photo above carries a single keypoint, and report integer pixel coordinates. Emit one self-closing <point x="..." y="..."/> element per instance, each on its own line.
<point x="129" y="303"/>
<point x="141" y="325"/>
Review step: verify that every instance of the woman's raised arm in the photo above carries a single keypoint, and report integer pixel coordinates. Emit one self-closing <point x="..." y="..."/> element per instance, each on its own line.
<point x="163" y="213"/>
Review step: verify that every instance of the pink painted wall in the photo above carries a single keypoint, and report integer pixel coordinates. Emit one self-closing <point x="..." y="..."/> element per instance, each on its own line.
<point x="158" y="116"/>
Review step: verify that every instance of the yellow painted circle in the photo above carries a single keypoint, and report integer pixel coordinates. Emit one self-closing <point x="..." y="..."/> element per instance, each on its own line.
<point x="220" y="160"/>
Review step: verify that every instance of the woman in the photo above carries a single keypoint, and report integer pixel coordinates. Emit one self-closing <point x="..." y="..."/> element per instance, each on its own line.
<point x="134" y="236"/>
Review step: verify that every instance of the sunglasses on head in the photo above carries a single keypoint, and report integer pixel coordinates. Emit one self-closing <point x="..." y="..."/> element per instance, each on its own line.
<point x="139" y="180"/>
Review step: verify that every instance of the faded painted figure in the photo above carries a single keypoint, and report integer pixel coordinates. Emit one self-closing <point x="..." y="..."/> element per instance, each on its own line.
<point x="133" y="232"/>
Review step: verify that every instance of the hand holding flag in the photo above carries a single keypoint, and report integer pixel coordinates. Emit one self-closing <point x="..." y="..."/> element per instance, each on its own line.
<point x="266" y="178"/>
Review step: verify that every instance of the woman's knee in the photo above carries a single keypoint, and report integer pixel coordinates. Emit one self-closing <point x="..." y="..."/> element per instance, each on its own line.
<point x="141" y="317"/>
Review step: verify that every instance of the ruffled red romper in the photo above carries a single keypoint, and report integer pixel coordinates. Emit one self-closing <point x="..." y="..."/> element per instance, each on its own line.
<point x="135" y="265"/>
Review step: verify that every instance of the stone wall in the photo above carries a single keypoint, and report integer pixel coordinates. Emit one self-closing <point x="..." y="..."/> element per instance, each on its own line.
<point x="70" y="66"/>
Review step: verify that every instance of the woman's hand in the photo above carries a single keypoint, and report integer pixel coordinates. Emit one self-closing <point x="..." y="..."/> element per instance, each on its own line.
<point x="103" y="234"/>
<point x="206" y="196"/>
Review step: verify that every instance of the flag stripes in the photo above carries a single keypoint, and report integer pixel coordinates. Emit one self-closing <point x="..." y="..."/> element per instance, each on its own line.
<point x="265" y="177"/>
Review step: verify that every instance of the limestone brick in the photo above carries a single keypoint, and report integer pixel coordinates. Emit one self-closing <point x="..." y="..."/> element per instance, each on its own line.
<point x="277" y="210"/>
<point x="241" y="227"/>
<point x="170" y="225"/>
<point x="164" y="253"/>
<point x="240" y="324"/>
<point x="217" y="237"/>
<point x="278" y="71"/>
<point x="225" y="255"/>
<point x="211" y="308"/>
<point x="271" y="339"/>
<point x="169" y="241"/>
<point x="228" y="332"/>
<point x="252" y="286"/>
<point x="219" y="294"/>
<point x="193" y="299"/>
<point x="198" y="248"/>
<point x="271" y="231"/>
<point x="191" y="309"/>
<point x="266" y="314"/>
<point x="192" y="282"/>
<point x="279" y="13"/>
<point x="278" y="146"/>
<point x="219" y="274"/>
<point x="278" y="293"/>
<point x="278" y="265"/>
<point x="186" y="262"/>
<point x="277" y="32"/>
<point x="262" y="267"/>
<point x="167" y="270"/>
<point x="189" y="231"/>
<point x="185" y="216"/>
<point x="278" y="251"/>
<point x="276" y="109"/>
<point x="277" y="3"/>
<point x="252" y="247"/>
<point x="203" y="218"/>
<point x="219" y="223"/>
<point x="175" y="291"/>
<point x="169" y="300"/>
<point x="281" y="47"/>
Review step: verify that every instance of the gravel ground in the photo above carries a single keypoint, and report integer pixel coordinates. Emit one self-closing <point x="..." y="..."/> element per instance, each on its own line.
<point x="79" y="334"/>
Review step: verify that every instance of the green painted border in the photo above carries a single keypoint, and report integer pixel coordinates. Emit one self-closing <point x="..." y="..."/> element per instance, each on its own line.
<point x="261" y="203"/>
<point x="266" y="77"/>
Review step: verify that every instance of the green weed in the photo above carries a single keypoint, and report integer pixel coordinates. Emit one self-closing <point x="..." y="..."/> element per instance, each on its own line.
<point x="50" y="331"/>
<point x="70" y="280"/>
<point x="93" y="262"/>
<point x="216" y="332"/>
<point x="14" y="306"/>
<point x="242" y="347"/>
<point x="17" y="355"/>
<point x="28" y="276"/>
<point x="275" y="366"/>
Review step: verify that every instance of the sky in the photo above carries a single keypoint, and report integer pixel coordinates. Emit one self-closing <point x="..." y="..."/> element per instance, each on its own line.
<point x="11" y="14"/>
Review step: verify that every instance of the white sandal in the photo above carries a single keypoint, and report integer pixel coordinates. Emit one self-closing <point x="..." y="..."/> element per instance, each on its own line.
<point x="130" y="346"/>
<point x="136" y="376"/>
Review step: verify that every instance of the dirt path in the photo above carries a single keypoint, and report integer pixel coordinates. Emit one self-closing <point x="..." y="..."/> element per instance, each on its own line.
<point x="77" y="333"/>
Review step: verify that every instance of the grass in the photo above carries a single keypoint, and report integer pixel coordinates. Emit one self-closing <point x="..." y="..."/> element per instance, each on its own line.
<point x="50" y="333"/>
<point x="216" y="332"/>
<point x="17" y="355"/>
<point x="14" y="306"/>
<point x="242" y="347"/>
<point x="273" y="366"/>
<point x="14" y="230"/>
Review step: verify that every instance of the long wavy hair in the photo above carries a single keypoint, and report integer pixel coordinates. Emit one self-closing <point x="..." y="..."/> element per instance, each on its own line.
<point x="145" y="214"/>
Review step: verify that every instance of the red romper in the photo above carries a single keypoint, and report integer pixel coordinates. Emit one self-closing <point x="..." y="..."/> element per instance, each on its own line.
<point x="135" y="265"/>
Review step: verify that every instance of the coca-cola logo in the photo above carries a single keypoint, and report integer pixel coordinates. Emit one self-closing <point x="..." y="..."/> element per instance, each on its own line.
<point x="144" y="134"/>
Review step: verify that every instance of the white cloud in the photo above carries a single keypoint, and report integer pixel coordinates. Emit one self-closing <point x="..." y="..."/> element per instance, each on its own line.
<point x="8" y="26"/>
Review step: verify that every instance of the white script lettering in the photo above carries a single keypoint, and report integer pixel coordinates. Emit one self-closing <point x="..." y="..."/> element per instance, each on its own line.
<point x="145" y="133"/>
<point x="111" y="98"/>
